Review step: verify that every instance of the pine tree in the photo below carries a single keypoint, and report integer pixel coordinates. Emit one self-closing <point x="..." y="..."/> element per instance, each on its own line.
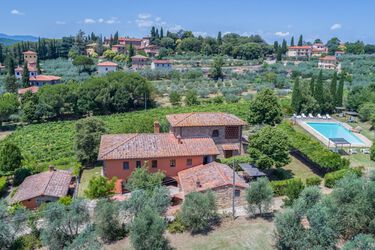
<point x="161" y="32"/>
<point x="219" y="39"/>
<point x="25" y="75"/>
<point x="319" y="90"/>
<point x="115" y="38"/>
<point x="300" y="40"/>
<point x="284" y="47"/>
<point x="312" y="86"/>
<point x="340" y="91"/>
<point x="296" y="96"/>
<point x="292" y="41"/>
<point x="333" y="86"/>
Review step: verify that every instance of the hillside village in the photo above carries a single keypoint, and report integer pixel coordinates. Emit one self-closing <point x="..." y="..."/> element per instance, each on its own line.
<point x="174" y="140"/>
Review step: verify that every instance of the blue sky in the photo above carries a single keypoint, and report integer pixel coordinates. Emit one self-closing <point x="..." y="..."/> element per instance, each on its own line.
<point x="349" y="20"/>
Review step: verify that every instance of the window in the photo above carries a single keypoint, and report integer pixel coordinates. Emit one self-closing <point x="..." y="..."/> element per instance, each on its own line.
<point x="154" y="164"/>
<point x="172" y="163"/>
<point x="189" y="162"/>
<point x="138" y="164"/>
<point x="237" y="193"/>
<point x="125" y="165"/>
<point x="215" y="133"/>
<point x="232" y="132"/>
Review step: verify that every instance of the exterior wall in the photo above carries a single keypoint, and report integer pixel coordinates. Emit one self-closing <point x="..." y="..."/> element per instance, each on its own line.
<point x="224" y="196"/>
<point x="138" y="63"/>
<point x="30" y="58"/>
<point x="42" y="83"/>
<point x="37" y="201"/>
<point x="167" y="66"/>
<point x="103" y="70"/>
<point x="327" y="65"/>
<point x="299" y="53"/>
<point x="114" y="168"/>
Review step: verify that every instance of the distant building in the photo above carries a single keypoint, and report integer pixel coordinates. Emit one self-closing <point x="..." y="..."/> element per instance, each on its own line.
<point x="139" y="62"/>
<point x="43" y="188"/>
<point x="318" y="49"/>
<point x="338" y="54"/>
<point x="119" y="48"/>
<point x="327" y="62"/>
<point x="30" y="57"/>
<point x="41" y="80"/>
<point x="105" y="67"/>
<point x="161" y="64"/>
<point x="151" y="50"/>
<point x="91" y="49"/>
<point x="299" y="51"/>
<point x="32" y="89"/>
<point x="19" y="71"/>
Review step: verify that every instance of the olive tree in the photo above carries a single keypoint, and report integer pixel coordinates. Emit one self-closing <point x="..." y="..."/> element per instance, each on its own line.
<point x="259" y="196"/>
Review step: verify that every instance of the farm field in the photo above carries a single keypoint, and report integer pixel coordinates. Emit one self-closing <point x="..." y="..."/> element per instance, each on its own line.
<point x="52" y="143"/>
<point x="242" y="233"/>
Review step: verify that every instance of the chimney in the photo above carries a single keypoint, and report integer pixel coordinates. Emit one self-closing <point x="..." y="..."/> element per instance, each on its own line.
<point x="51" y="168"/>
<point x="179" y="139"/>
<point x="156" y="127"/>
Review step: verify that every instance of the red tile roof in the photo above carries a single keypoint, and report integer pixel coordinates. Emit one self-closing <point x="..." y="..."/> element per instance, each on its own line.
<point x="209" y="176"/>
<point x="328" y="58"/>
<point x="299" y="47"/>
<point x="230" y="146"/>
<point x="44" y="78"/>
<point x="29" y="52"/>
<point x="199" y="119"/>
<point x="107" y="64"/>
<point x="33" y="90"/>
<point x="139" y="57"/>
<point x="162" y="61"/>
<point x="53" y="183"/>
<point x="132" y="39"/>
<point x="146" y="146"/>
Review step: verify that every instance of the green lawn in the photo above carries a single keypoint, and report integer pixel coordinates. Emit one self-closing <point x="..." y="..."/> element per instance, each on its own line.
<point x="242" y="233"/>
<point x="299" y="169"/>
<point x="87" y="174"/>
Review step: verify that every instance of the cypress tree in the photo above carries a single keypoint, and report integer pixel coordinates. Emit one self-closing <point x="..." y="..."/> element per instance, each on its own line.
<point x="279" y="56"/>
<point x="292" y="41"/>
<point x="333" y="86"/>
<point x="25" y="75"/>
<point x="340" y="91"/>
<point x="312" y="86"/>
<point x="38" y="69"/>
<point x="219" y="39"/>
<point x="9" y="63"/>
<point x="1" y="54"/>
<point x="284" y="47"/>
<point x="161" y="32"/>
<point x="319" y="90"/>
<point x="296" y="96"/>
<point x="300" y="40"/>
<point x="275" y="46"/>
<point x="115" y="38"/>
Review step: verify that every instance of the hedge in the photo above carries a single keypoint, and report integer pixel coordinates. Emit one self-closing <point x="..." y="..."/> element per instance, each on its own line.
<point x="3" y="184"/>
<point x="331" y="178"/>
<point x="322" y="157"/>
<point x="313" y="181"/>
<point x="279" y="187"/>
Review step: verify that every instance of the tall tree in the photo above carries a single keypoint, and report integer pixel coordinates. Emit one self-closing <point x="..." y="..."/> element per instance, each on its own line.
<point x="161" y="32"/>
<point x="300" y="40"/>
<point x="216" y="68"/>
<point x="115" y="38"/>
<point x="312" y="86"/>
<point x="25" y="76"/>
<point x="219" y="39"/>
<point x="292" y="41"/>
<point x="11" y="85"/>
<point x="340" y="91"/>
<point x="284" y="47"/>
<point x="9" y="63"/>
<point x="259" y="196"/>
<point x="38" y="69"/>
<point x="319" y="90"/>
<point x="265" y="108"/>
<point x="296" y="96"/>
<point x="1" y="54"/>
<point x="10" y="157"/>
<point x="333" y="86"/>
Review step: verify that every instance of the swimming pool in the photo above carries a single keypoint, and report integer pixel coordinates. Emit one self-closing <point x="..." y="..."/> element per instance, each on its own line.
<point x="334" y="130"/>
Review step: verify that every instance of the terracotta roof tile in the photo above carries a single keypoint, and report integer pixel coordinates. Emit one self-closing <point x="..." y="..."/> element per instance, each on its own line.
<point x="230" y="146"/>
<point x="44" y="78"/>
<point x="146" y="146"/>
<point x="107" y="64"/>
<point x="300" y="47"/>
<point x="162" y="61"/>
<point x="33" y="90"/>
<point x="29" y="52"/>
<point x="51" y="183"/>
<point x="204" y="119"/>
<point x="328" y="58"/>
<point x="209" y="176"/>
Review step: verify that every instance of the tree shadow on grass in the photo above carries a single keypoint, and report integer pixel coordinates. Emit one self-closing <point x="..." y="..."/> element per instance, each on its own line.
<point x="277" y="174"/>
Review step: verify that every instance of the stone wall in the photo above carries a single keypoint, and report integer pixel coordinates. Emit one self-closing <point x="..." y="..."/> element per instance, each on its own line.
<point x="223" y="197"/>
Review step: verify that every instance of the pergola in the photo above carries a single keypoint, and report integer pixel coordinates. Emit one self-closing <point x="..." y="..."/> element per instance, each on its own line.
<point x="339" y="142"/>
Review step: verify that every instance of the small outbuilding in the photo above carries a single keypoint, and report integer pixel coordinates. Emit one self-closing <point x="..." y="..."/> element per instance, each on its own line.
<point x="251" y="172"/>
<point x="42" y="188"/>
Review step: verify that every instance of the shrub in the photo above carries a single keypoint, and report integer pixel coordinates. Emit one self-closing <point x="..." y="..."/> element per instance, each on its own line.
<point x="313" y="181"/>
<point x="279" y="187"/>
<point x="20" y="174"/>
<point x="199" y="211"/>
<point x="330" y="179"/>
<point x="293" y="189"/>
<point x="3" y="184"/>
<point x="26" y="242"/>
<point x="99" y="187"/>
<point x="66" y="200"/>
<point x="286" y="187"/>
<point x="176" y="226"/>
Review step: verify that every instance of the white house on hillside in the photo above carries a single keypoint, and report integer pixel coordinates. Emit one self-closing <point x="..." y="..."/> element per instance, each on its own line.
<point x="105" y="67"/>
<point x="161" y="64"/>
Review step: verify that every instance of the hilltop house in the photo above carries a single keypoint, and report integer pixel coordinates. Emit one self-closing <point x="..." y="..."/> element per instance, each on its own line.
<point x="161" y="64"/>
<point x="318" y="50"/>
<point x="194" y="139"/>
<point x="30" y="57"/>
<point x="327" y="62"/>
<point x="43" y="188"/>
<point x="105" y="67"/>
<point x="119" y="48"/>
<point x="299" y="51"/>
<point x="19" y="71"/>
<point x="151" y="50"/>
<point x="41" y="80"/>
<point x="139" y="62"/>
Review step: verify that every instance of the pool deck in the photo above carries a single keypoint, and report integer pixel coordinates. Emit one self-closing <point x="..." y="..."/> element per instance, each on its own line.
<point x="303" y="123"/>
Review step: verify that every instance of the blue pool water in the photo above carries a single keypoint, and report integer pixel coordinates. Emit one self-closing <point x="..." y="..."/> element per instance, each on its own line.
<point x="334" y="130"/>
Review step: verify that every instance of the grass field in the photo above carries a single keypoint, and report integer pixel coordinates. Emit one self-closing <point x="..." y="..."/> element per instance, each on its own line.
<point x="299" y="170"/>
<point x="242" y="233"/>
<point x="87" y="174"/>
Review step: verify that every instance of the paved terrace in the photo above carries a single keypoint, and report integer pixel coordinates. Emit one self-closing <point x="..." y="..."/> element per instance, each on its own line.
<point x="302" y="122"/>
